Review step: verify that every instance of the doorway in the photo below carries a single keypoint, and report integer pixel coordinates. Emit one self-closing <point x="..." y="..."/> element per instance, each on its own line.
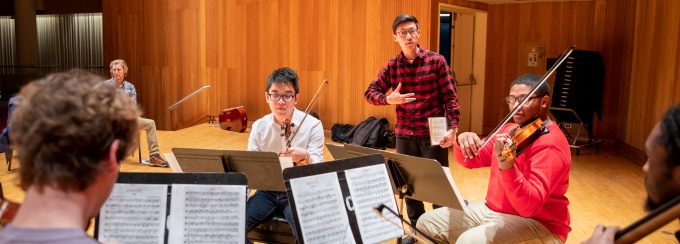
<point x="462" y="42"/>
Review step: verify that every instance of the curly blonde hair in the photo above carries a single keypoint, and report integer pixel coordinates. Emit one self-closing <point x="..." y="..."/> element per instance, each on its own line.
<point x="64" y="126"/>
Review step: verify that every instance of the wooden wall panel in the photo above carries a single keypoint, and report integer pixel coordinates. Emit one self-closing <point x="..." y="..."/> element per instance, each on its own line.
<point x="558" y="25"/>
<point x="617" y="54"/>
<point x="175" y="47"/>
<point x="655" y="79"/>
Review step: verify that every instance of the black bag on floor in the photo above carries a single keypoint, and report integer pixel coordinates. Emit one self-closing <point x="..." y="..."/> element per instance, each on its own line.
<point x="340" y="133"/>
<point x="389" y="139"/>
<point x="370" y="132"/>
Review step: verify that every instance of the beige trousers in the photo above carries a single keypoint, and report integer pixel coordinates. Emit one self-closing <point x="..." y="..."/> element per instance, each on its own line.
<point x="482" y="225"/>
<point x="149" y="126"/>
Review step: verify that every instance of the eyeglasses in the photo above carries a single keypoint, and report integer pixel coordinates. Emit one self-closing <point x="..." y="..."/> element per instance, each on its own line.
<point x="411" y="32"/>
<point x="510" y="100"/>
<point x="277" y="97"/>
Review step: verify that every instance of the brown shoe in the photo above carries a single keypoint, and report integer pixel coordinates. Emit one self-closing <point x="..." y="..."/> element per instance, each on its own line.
<point x="157" y="161"/>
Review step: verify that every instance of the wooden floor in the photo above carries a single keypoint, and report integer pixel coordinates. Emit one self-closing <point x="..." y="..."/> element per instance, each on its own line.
<point x="605" y="188"/>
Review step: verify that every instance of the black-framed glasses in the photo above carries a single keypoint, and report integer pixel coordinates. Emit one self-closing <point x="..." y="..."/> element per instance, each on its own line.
<point x="510" y="100"/>
<point x="277" y="97"/>
<point x="411" y="32"/>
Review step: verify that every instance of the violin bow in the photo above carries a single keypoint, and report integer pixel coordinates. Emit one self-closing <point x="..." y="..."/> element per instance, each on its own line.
<point x="309" y="107"/>
<point x="545" y="77"/>
<point x="653" y="221"/>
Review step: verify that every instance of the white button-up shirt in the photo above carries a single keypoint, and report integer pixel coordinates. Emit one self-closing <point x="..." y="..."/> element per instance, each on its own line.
<point x="265" y="136"/>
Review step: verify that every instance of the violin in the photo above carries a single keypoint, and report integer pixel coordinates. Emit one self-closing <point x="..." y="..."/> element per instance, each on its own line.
<point x="287" y="125"/>
<point x="523" y="136"/>
<point x="287" y="128"/>
<point x="7" y="211"/>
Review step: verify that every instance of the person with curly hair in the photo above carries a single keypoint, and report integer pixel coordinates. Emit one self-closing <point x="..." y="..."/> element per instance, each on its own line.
<point x="71" y="131"/>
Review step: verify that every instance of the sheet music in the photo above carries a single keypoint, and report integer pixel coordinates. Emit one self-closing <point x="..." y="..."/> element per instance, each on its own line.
<point x="207" y="214"/>
<point x="134" y="213"/>
<point x="437" y="126"/>
<point x="370" y="186"/>
<point x="459" y="197"/>
<point x="320" y="209"/>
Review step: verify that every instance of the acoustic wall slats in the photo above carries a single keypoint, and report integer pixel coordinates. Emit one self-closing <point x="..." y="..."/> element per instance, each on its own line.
<point x="7" y="42"/>
<point x="71" y="40"/>
<point x="558" y="25"/>
<point x="177" y="46"/>
<point x="617" y="52"/>
<point x="64" y="41"/>
<point x="655" y="79"/>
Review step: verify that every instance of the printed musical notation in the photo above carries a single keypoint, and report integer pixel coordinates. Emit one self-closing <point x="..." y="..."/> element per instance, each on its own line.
<point x="134" y="213"/>
<point x="207" y="214"/>
<point x="370" y="186"/>
<point x="321" y="210"/>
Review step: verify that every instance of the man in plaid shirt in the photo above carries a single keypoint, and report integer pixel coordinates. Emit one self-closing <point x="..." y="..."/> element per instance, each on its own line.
<point x="422" y="87"/>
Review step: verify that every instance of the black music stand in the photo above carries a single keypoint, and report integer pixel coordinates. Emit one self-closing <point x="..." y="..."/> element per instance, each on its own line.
<point x="262" y="168"/>
<point x="174" y="178"/>
<point x="264" y="173"/>
<point x="337" y="151"/>
<point x="355" y="176"/>
<point x="417" y="178"/>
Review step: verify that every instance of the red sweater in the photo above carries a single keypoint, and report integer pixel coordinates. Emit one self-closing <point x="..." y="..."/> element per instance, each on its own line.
<point x="535" y="187"/>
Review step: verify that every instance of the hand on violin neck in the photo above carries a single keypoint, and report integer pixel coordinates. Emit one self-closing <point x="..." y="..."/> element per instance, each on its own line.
<point x="469" y="143"/>
<point x="397" y="98"/>
<point x="504" y="150"/>
<point x="296" y="153"/>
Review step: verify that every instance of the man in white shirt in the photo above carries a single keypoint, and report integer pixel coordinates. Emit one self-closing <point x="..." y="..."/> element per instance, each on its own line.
<point x="266" y="135"/>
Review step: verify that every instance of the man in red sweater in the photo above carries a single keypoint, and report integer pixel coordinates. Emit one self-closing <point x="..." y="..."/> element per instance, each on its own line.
<point x="525" y="200"/>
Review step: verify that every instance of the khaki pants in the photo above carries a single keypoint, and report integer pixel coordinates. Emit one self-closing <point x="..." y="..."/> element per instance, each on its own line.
<point x="482" y="225"/>
<point x="149" y="126"/>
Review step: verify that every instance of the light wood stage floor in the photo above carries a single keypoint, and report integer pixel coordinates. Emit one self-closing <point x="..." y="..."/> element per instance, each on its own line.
<point x="605" y="188"/>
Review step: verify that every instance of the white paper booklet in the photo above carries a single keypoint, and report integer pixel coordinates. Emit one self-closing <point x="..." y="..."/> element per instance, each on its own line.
<point x="437" y="127"/>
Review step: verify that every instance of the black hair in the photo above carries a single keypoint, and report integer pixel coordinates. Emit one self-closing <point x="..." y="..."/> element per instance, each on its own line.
<point x="401" y="19"/>
<point x="531" y="80"/>
<point x="669" y="137"/>
<point x="283" y="76"/>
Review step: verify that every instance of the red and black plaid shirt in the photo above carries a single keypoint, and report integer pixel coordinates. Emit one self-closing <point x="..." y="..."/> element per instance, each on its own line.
<point x="430" y="79"/>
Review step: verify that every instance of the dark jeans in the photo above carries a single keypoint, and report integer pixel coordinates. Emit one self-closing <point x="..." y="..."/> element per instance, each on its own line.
<point x="420" y="147"/>
<point x="263" y="205"/>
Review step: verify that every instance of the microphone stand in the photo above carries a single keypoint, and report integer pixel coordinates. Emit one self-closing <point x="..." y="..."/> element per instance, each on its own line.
<point x="420" y="236"/>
